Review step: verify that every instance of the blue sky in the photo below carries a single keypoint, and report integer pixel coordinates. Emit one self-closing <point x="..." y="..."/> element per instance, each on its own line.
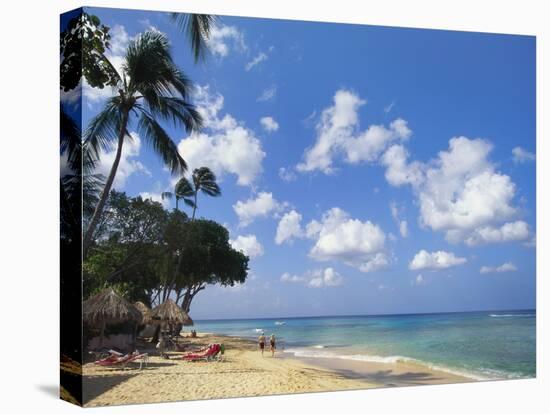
<point x="364" y="169"/>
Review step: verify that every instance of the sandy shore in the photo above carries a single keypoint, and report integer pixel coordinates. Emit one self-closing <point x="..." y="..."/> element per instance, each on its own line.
<point x="242" y="373"/>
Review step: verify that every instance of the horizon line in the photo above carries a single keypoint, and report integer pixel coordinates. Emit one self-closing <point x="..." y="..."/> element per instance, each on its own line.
<point x="371" y="315"/>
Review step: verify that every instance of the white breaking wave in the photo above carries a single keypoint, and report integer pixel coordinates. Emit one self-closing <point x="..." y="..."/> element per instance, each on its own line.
<point x="511" y="315"/>
<point x="486" y="374"/>
<point x="279" y="323"/>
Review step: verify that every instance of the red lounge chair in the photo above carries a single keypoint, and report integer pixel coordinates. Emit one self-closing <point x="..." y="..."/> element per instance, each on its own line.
<point x="115" y="359"/>
<point x="208" y="355"/>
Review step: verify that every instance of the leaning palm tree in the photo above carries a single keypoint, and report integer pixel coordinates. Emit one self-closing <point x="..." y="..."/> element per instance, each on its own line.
<point x="198" y="28"/>
<point x="182" y="191"/>
<point x="204" y="180"/>
<point x="150" y="87"/>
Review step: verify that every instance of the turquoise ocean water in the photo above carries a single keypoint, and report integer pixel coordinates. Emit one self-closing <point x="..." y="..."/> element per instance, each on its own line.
<point x="480" y="345"/>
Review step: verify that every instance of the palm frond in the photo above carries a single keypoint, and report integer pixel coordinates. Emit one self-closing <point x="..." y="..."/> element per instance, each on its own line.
<point x="205" y="181"/>
<point x="198" y="28"/>
<point x="189" y="202"/>
<point x="103" y="128"/>
<point x="150" y="68"/>
<point x="176" y="110"/>
<point x="163" y="145"/>
<point x="184" y="188"/>
<point x="166" y="195"/>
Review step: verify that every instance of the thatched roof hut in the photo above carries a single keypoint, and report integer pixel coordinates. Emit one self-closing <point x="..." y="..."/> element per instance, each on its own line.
<point x="170" y="312"/>
<point x="145" y="312"/>
<point x="109" y="308"/>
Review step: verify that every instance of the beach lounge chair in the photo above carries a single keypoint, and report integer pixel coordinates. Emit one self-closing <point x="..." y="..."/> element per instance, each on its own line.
<point x="115" y="359"/>
<point x="207" y="355"/>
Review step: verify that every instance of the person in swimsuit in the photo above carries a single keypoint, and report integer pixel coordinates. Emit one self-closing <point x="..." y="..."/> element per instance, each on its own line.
<point x="261" y="341"/>
<point x="272" y="344"/>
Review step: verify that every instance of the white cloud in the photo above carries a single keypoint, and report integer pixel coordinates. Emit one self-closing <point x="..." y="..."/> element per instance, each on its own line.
<point x="229" y="147"/>
<point x="398" y="170"/>
<point x="269" y="124"/>
<point x="256" y="61"/>
<point x="289" y="227"/>
<point x="337" y="134"/>
<point x="268" y="94"/>
<point x="460" y="193"/>
<point x="351" y="241"/>
<point x="402" y="224"/>
<point x="146" y="195"/>
<point x="72" y="97"/>
<point x="435" y="260"/>
<point x="505" y="267"/>
<point x="287" y="174"/>
<point x="403" y="229"/>
<point x="261" y="206"/>
<point x="513" y="231"/>
<point x="319" y="278"/>
<point x="128" y="162"/>
<point x="249" y="245"/>
<point x="223" y="38"/>
<point x="388" y="108"/>
<point x="520" y="155"/>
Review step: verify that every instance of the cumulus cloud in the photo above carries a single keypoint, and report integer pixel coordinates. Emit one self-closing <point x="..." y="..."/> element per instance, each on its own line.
<point x="356" y="243"/>
<point x="338" y="135"/>
<point x="289" y="227"/>
<point x="319" y="278"/>
<point x="505" y="267"/>
<point x="268" y="94"/>
<point x="269" y="124"/>
<point x="228" y="147"/>
<point x="514" y="231"/>
<point x="435" y="260"/>
<point x="128" y="165"/>
<point x="398" y="170"/>
<point x="223" y="39"/>
<point x="263" y="205"/>
<point x="249" y="245"/>
<point x="520" y="155"/>
<point x="460" y="193"/>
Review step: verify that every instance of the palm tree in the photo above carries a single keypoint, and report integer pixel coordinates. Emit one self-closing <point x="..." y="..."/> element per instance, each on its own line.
<point x="182" y="191"/>
<point x="150" y="87"/>
<point x="203" y="179"/>
<point x="198" y="28"/>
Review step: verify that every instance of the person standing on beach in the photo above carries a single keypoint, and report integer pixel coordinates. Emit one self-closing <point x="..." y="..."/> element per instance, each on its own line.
<point x="261" y="341"/>
<point x="272" y="344"/>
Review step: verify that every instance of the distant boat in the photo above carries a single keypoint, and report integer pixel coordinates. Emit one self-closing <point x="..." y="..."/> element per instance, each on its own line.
<point x="279" y="323"/>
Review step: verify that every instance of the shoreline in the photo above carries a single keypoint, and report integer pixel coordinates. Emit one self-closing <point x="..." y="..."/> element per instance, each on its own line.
<point x="243" y="372"/>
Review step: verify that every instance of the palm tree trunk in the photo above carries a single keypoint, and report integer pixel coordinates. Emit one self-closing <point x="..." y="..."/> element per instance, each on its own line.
<point x="108" y="184"/>
<point x="195" y="206"/>
<point x="177" y="199"/>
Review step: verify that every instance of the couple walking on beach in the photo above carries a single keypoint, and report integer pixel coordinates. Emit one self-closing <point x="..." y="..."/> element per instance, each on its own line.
<point x="261" y="342"/>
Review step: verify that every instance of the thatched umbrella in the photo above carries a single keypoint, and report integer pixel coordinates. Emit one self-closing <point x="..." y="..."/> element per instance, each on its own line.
<point x="109" y="308"/>
<point x="169" y="312"/>
<point x="145" y="312"/>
